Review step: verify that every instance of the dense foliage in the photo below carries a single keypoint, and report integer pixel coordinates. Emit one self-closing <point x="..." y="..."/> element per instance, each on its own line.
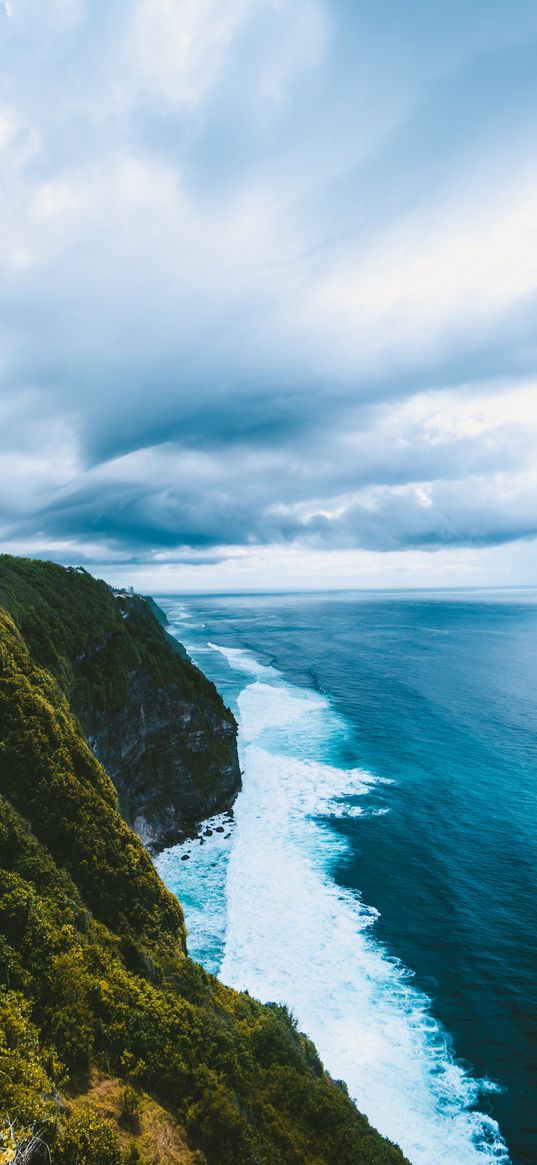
<point x="92" y="640"/>
<point x="153" y="719"/>
<point x="95" y="980"/>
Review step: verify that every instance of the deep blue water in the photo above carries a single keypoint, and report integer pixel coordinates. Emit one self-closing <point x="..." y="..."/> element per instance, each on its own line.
<point x="434" y="697"/>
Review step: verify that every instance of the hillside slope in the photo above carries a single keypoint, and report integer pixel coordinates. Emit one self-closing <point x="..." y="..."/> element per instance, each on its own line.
<point x="114" y="1045"/>
<point x="155" y="722"/>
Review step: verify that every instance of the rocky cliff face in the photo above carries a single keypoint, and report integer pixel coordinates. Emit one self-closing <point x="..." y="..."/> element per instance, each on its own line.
<point x="173" y="762"/>
<point x="153" y="720"/>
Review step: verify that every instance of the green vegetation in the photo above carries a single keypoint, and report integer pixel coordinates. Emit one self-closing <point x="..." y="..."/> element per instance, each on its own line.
<point x="153" y="719"/>
<point x="92" y="641"/>
<point x="114" y="1045"/>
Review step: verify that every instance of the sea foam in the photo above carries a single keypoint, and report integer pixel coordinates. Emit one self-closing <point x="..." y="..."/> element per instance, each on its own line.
<point x="265" y="912"/>
<point x="196" y="871"/>
<point x="294" y="936"/>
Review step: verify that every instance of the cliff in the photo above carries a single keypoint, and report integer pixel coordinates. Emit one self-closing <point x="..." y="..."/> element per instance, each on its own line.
<point x="115" y="1047"/>
<point x="155" y="722"/>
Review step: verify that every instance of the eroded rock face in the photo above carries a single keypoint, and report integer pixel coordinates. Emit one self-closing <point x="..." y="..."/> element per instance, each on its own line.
<point x="156" y="723"/>
<point x="173" y="762"/>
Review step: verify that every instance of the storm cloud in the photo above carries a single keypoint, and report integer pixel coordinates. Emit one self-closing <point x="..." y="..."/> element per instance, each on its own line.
<point x="268" y="277"/>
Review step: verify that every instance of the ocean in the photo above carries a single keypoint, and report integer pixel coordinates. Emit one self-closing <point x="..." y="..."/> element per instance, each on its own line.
<point x="379" y="874"/>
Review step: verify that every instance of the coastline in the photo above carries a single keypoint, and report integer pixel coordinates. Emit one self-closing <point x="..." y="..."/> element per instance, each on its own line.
<point x="280" y="857"/>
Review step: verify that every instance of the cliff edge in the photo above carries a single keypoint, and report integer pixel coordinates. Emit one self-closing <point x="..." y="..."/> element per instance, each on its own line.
<point x="154" y="721"/>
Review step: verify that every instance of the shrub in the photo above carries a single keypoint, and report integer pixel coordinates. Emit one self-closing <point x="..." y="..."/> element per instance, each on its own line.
<point x="130" y="1108"/>
<point x="87" y="1140"/>
<point x="28" y="1072"/>
<point x="132" y="1156"/>
<point x="217" y="1124"/>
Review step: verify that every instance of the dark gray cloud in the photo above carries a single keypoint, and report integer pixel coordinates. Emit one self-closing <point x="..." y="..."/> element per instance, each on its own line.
<point x="268" y="275"/>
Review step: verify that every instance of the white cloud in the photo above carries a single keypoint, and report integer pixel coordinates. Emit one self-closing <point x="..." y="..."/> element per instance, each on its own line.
<point x="6" y="128"/>
<point x="52" y="200"/>
<point x="299" y="48"/>
<point x="275" y="568"/>
<point x="180" y="46"/>
<point x="457" y="265"/>
<point x="238" y="294"/>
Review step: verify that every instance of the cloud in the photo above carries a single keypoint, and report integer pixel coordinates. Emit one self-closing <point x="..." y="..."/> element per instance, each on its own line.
<point x="437" y="469"/>
<point x="268" y="276"/>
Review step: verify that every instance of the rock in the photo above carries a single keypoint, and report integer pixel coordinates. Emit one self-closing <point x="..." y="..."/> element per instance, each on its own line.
<point x="156" y="723"/>
<point x="171" y="751"/>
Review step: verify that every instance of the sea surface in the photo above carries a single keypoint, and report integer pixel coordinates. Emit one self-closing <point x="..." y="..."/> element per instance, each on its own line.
<point x="380" y="872"/>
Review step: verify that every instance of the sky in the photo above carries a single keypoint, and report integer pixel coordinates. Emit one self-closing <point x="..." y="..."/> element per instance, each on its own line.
<point x="268" y="284"/>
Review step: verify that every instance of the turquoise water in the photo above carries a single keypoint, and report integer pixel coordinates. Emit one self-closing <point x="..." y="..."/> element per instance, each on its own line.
<point x="380" y="876"/>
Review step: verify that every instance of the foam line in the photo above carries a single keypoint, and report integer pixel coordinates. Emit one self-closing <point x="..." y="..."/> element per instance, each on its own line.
<point x="296" y="937"/>
<point x="264" y="909"/>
